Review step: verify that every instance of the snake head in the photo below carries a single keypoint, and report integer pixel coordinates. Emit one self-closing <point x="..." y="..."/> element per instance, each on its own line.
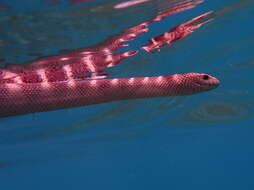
<point x="206" y="81"/>
<point x="192" y="83"/>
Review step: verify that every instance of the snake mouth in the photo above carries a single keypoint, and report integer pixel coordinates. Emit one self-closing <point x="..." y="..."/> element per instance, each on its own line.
<point x="208" y="85"/>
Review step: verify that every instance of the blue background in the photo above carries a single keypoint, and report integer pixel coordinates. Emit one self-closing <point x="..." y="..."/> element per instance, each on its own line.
<point x="204" y="141"/>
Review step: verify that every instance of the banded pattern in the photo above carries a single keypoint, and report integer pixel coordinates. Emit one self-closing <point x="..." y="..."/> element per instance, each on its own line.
<point x="45" y="96"/>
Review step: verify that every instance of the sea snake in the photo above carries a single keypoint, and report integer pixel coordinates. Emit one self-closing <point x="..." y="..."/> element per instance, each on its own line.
<point x="23" y="98"/>
<point x="77" y="78"/>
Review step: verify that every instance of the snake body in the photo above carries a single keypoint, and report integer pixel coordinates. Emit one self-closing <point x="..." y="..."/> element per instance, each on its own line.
<point x="23" y="98"/>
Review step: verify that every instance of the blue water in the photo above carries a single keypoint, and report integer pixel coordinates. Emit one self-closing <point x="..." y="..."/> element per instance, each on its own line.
<point x="204" y="141"/>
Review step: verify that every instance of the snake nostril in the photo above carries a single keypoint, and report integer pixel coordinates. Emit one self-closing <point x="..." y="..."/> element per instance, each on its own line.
<point x="205" y="77"/>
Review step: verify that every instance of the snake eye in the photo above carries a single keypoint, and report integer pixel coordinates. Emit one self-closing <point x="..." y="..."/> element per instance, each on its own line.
<point x="205" y="77"/>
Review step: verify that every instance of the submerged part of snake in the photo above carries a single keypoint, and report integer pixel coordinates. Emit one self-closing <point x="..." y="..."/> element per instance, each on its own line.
<point x="39" y="97"/>
<point x="76" y="78"/>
